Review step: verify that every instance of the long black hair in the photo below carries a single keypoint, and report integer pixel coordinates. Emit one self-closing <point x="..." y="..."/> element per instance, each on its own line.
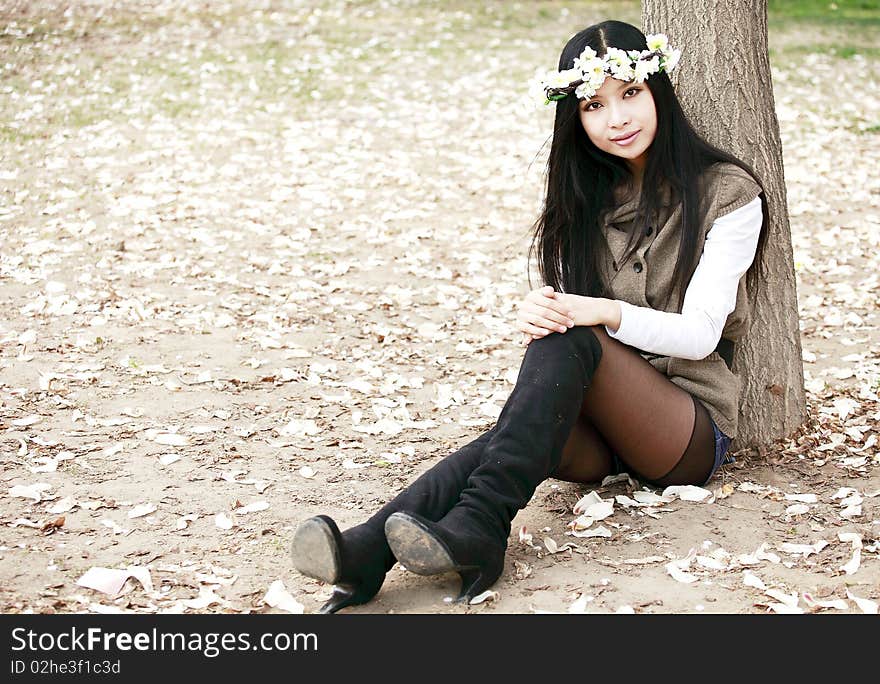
<point x="581" y="180"/>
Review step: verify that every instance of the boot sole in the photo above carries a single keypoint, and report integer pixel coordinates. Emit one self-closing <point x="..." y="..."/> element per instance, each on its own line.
<point x="314" y="551"/>
<point x="416" y="547"/>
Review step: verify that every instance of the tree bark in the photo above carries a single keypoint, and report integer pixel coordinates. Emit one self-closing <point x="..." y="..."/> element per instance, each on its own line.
<point x="723" y="82"/>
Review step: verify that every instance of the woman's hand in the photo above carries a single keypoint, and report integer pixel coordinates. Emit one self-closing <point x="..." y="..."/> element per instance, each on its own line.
<point x="591" y="310"/>
<point x="542" y="312"/>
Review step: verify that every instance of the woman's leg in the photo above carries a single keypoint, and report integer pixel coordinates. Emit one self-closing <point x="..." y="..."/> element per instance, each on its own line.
<point x="645" y="418"/>
<point x="586" y="456"/>
<point x="356" y="560"/>
<point x="634" y="386"/>
<point x="654" y="426"/>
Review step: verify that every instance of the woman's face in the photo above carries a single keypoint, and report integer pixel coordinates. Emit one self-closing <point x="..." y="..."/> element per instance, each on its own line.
<point x="621" y="119"/>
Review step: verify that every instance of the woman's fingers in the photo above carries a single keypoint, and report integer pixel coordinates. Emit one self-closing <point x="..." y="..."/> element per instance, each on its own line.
<point x="546" y="317"/>
<point x="536" y="331"/>
<point x="554" y="305"/>
<point x="540" y="314"/>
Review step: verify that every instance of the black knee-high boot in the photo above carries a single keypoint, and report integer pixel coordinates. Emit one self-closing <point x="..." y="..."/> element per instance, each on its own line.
<point x="524" y="450"/>
<point x="357" y="560"/>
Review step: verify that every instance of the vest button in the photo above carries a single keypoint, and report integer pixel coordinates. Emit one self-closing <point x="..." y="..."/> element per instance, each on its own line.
<point x="649" y="230"/>
<point x="637" y="267"/>
<point x="614" y="264"/>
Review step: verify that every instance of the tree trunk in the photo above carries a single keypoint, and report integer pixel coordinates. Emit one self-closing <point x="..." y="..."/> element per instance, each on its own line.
<point x="723" y="82"/>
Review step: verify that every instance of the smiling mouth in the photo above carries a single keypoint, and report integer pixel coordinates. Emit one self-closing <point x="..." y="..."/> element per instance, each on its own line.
<point x="625" y="139"/>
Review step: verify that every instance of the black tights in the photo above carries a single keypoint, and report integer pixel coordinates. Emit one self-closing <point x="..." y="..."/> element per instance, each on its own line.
<point x="660" y="431"/>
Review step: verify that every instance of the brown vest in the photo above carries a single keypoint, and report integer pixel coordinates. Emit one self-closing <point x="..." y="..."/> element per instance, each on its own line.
<point x="645" y="279"/>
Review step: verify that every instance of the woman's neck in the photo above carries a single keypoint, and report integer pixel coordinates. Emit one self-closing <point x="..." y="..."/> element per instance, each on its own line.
<point x="628" y="189"/>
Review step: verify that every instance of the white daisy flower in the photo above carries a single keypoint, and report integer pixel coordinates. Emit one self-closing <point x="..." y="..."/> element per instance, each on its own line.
<point x="657" y="41"/>
<point x="587" y="56"/>
<point x="585" y="90"/>
<point x="670" y="59"/>
<point x="646" y="67"/>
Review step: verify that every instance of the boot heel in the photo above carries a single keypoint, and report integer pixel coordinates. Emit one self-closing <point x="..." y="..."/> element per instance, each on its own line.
<point x="315" y="550"/>
<point x="474" y="581"/>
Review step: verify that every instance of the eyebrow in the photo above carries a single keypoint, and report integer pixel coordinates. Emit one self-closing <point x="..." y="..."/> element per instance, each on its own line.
<point x="623" y="84"/>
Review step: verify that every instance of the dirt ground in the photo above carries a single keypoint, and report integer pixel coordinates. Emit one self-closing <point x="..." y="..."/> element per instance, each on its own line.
<point x="231" y="299"/>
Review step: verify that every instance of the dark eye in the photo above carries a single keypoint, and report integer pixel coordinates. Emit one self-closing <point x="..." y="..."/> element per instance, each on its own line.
<point x="589" y="106"/>
<point x="631" y="90"/>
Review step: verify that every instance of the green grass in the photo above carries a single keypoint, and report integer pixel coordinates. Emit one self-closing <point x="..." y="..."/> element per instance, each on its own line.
<point x="825" y="11"/>
<point x="842" y="51"/>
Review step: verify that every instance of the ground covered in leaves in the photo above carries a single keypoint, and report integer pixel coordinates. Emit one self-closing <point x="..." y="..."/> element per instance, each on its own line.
<point x="261" y="260"/>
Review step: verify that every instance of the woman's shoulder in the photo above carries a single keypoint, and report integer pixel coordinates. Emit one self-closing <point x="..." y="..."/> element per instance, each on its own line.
<point x="726" y="172"/>
<point x="729" y="187"/>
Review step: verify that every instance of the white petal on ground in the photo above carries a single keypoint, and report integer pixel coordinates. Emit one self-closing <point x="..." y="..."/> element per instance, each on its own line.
<point x="300" y="428"/>
<point x="184" y="520"/>
<point x="599" y="511"/>
<point x="625" y="610"/>
<point x="687" y="493"/>
<point x="525" y="537"/>
<point x="803" y="498"/>
<point x="487" y="595"/>
<point x="349" y="464"/>
<point x="679" y="574"/>
<point x="851" y="512"/>
<point x="206" y="598"/>
<point x="710" y="563"/>
<point x="805" y="550"/>
<point x="579" y="606"/>
<point x="761" y="553"/>
<point x="550" y="545"/>
<point x="600" y="531"/>
<point x="307" y="472"/>
<point x="647" y="560"/>
<point x="384" y="426"/>
<point x="790" y="600"/>
<point x="854" y="538"/>
<point x="62" y="506"/>
<point x="141" y="510"/>
<point x="797" y="509"/>
<point x="626" y="502"/>
<point x="110" y="580"/>
<point x="648" y="498"/>
<point x="171" y="439"/>
<point x="865" y="605"/>
<point x="582" y="522"/>
<point x="678" y="567"/>
<point x="853" y="499"/>
<point x="750" y="579"/>
<point x="844" y="492"/>
<point x="27" y="420"/>
<point x="113" y="526"/>
<point x="112" y="450"/>
<point x="168" y="459"/>
<point x="223" y="521"/>
<point x="838" y="604"/>
<point x="279" y="597"/>
<point x="585" y="501"/>
<point x="34" y="491"/>
<point x="142" y="575"/>
<point x="106" y="580"/>
<point x="851" y="567"/>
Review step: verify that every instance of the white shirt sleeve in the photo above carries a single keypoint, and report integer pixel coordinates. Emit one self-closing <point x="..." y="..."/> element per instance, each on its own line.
<point x="710" y="297"/>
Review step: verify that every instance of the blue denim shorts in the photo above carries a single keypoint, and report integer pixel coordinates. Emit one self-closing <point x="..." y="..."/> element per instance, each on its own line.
<point x="722" y="444"/>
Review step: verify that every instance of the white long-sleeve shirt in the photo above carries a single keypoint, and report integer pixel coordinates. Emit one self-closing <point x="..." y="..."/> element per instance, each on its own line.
<point x="710" y="297"/>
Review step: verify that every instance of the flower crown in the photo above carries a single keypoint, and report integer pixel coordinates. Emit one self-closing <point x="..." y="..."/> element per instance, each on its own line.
<point x="590" y="71"/>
